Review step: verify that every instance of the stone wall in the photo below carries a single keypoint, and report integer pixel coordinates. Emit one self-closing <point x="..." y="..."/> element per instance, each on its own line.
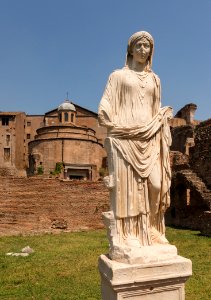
<point x="32" y="123"/>
<point x="69" y="151"/>
<point x="178" y="160"/>
<point x="200" y="155"/>
<point x="35" y="205"/>
<point x="191" y="178"/>
<point x="191" y="171"/>
<point x="175" y="122"/>
<point x="190" y="202"/>
<point x="180" y="135"/>
<point x="187" y="113"/>
<point x="20" y="153"/>
<point x="90" y="120"/>
<point x="12" y="144"/>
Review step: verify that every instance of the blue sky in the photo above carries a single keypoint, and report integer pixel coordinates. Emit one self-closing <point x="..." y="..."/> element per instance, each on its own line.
<point x="51" y="47"/>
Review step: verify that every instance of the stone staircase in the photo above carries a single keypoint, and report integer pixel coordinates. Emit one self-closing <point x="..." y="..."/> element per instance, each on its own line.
<point x="191" y="210"/>
<point x="195" y="183"/>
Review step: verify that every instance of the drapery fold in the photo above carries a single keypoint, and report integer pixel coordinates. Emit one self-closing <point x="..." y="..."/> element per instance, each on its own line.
<point x="136" y="146"/>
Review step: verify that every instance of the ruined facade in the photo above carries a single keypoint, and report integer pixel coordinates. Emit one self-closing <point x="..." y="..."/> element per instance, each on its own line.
<point x="182" y="128"/>
<point x="69" y="135"/>
<point x="16" y="130"/>
<point x="191" y="172"/>
<point x="200" y="155"/>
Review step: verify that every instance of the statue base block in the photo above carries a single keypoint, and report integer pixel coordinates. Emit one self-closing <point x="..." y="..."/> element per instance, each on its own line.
<point x="155" y="281"/>
<point x="143" y="255"/>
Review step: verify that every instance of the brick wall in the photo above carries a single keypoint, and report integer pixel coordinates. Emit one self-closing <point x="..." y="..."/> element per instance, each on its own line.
<point x="179" y="137"/>
<point x="27" y="206"/>
<point x="70" y="151"/>
<point x="200" y="155"/>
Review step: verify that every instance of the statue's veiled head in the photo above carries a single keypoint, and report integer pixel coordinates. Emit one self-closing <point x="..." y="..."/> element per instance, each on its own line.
<point x="133" y="40"/>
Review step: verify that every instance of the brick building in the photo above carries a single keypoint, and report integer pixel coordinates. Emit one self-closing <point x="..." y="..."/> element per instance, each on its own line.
<point x="69" y="134"/>
<point x="15" y="133"/>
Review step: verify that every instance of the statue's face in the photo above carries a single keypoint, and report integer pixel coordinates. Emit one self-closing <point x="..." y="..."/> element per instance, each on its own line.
<point x="141" y="50"/>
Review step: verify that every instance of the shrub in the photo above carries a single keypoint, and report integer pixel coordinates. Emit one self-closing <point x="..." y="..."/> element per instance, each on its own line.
<point x="103" y="172"/>
<point x="58" y="168"/>
<point x="40" y="170"/>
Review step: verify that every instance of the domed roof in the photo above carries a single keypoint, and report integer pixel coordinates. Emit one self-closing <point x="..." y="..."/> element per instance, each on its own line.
<point x="66" y="105"/>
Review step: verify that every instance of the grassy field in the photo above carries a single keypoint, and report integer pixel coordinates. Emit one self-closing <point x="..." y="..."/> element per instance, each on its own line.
<point x="64" y="266"/>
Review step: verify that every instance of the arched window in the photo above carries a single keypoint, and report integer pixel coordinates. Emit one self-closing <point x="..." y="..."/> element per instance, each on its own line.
<point x="66" y="117"/>
<point x="60" y="118"/>
<point x="72" y="117"/>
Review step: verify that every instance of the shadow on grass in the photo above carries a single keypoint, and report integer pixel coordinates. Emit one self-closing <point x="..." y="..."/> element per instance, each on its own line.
<point x="194" y="231"/>
<point x="181" y="228"/>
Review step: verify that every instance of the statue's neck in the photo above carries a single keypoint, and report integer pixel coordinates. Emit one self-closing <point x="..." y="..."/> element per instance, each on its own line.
<point x="138" y="67"/>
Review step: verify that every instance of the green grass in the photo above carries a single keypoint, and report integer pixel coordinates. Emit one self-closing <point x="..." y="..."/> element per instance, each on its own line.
<point x="192" y="245"/>
<point x="64" y="266"/>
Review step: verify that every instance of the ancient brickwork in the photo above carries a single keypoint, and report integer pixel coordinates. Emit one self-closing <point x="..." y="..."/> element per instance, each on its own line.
<point x="191" y="172"/>
<point x="35" y="205"/>
<point x="50" y="135"/>
<point x="175" y="122"/>
<point x="12" y="144"/>
<point x="190" y="201"/>
<point x="69" y="134"/>
<point x="90" y="119"/>
<point x="71" y="151"/>
<point x="187" y="113"/>
<point x="33" y="122"/>
<point x="178" y="160"/>
<point x="200" y="156"/>
<point x="179" y="137"/>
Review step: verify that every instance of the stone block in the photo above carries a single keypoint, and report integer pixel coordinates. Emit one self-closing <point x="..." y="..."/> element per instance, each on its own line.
<point x="154" y="281"/>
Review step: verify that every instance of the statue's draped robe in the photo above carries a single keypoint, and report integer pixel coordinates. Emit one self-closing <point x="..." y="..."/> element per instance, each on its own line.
<point x="138" y="137"/>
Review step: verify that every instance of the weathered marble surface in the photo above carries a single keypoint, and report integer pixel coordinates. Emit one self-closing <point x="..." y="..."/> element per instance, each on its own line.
<point x="154" y="281"/>
<point x="138" y="147"/>
<point x="141" y="263"/>
<point x="135" y="254"/>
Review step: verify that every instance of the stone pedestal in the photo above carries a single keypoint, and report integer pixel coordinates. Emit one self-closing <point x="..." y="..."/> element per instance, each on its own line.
<point x="155" y="281"/>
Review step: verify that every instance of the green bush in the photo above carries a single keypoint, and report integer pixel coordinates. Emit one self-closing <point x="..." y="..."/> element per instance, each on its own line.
<point x="40" y="170"/>
<point x="103" y="172"/>
<point x="58" y="168"/>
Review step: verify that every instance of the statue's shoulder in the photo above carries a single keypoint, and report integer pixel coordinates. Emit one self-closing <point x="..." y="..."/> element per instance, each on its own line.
<point x="156" y="78"/>
<point x="118" y="74"/>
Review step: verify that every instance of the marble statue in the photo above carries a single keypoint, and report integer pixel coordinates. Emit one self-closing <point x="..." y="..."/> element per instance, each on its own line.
<point x="141" y="263"/>
<point x="137" y="146"/>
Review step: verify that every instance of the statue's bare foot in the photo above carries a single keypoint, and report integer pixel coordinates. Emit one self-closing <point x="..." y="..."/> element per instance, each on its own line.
<point x="162" y="239"/>
<point x="157" y="237"/>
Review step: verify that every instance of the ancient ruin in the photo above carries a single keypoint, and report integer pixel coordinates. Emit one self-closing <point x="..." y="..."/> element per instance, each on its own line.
<point x="35" y="205"/>
<point x="190" y="187"/>
<point x="68" y="136"/>
<point x="191" y="172"/>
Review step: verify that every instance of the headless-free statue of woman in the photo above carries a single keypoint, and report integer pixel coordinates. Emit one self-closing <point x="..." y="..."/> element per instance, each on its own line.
<point x="137" y="147"/>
